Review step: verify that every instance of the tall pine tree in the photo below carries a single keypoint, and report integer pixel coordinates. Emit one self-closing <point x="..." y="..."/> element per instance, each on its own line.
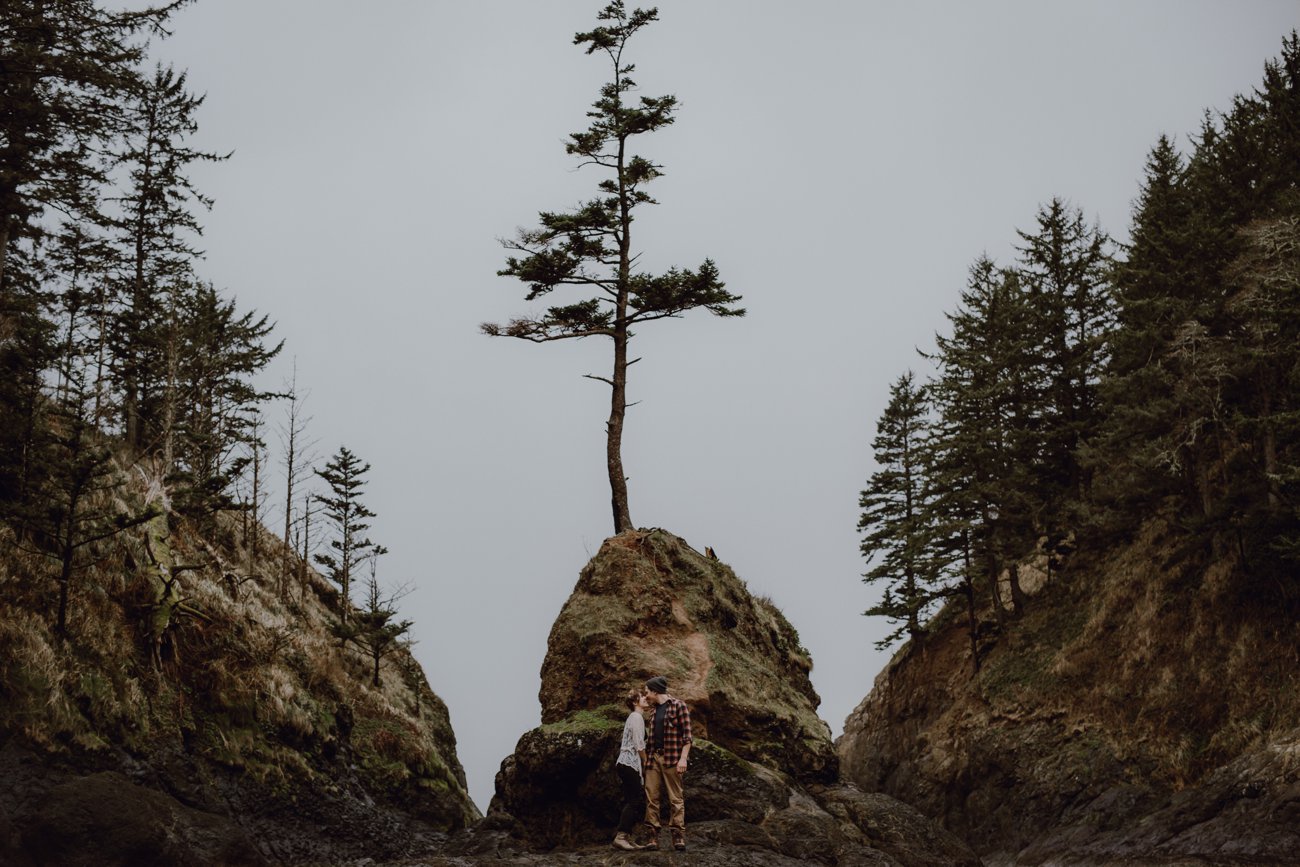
<point x="989" y="436"/>
<point x="591" y="247"/>
<point x="155" y="230"/>
<point x="897" y="522"/>
<point x="348" y="518"/>
<point x="1063" y="265"/>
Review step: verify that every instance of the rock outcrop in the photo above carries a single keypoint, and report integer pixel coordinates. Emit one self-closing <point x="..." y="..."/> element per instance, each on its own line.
<point x="762" y="788"/>
<point x="233" y="730"/>
<point x="650" y="604"/>
<point x="1141" y="707"/>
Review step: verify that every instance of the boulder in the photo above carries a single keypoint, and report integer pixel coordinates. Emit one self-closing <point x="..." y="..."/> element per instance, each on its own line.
<point x="104" y="819"/>
<point x="1248" y="810"/>
<point x="762" y="786"/>
<point x="650" y="604"/>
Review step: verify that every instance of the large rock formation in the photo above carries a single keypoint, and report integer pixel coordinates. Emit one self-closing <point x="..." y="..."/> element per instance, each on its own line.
<point x="218" y="721"/>
<point x="650" y="604"/>
<point x="762" y="787"/>
<point x="1142" y="707"/>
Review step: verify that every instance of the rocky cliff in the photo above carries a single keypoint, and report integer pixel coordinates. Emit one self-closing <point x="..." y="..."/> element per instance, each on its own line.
<point x="1144" y="705"/>
<point x="763" y="785"/>
<point x="200" y="712"/>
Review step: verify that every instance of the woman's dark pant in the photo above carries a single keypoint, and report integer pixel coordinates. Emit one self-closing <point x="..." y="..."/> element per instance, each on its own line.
<point x="633" y="799"/>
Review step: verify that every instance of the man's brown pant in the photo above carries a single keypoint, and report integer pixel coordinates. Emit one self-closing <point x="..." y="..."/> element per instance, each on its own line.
<point x="660" y="776"/>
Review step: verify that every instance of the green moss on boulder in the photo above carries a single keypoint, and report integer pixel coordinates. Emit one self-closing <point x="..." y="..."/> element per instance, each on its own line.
<point x="648" y="603"/>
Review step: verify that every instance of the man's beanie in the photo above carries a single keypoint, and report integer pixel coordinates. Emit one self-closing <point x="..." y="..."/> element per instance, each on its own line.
<point x="657" y="684"/>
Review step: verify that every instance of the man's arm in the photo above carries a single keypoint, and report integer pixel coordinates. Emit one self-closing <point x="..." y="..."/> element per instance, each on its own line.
<point x="686" y="738"/>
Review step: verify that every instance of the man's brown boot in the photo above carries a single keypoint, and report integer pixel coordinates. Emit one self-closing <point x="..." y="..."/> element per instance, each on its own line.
<point x="679" y="839"/>
<point x="651" y="838"/>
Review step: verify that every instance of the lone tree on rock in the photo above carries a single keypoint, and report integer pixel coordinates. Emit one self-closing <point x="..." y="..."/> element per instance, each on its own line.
<point x="591" y="246"/>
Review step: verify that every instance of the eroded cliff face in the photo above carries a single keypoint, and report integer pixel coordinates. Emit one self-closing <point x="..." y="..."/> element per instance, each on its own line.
<point x="762" y="787"/>
<point x="210" y="720"/>
<point x="1143" y="705"/>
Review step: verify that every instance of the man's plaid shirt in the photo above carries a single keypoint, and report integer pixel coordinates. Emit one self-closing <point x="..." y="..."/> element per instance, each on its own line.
<point x="677" y="730"/>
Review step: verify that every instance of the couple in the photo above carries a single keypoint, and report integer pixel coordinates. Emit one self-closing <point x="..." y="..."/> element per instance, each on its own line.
<point x="647" y="767"/>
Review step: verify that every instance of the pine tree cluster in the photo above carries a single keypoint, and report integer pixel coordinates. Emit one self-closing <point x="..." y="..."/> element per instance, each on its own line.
<point x="1083" y="389"/>
<point x="115" y="355"/>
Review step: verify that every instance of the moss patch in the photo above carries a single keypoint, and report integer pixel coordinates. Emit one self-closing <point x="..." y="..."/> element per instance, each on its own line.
<point x="600" y="719"/>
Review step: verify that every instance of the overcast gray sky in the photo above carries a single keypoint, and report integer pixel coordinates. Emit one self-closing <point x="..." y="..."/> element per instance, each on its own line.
<point x="842" y="162"/>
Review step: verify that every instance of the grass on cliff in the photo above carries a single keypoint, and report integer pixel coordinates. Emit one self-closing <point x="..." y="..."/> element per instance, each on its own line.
<point x="600" y="719"/>
<point x="250" y="681"/>
<point x="1154" y="657"/>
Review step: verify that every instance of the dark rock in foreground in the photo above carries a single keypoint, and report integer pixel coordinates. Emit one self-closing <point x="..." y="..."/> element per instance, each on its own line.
<point x="1247" y="812"/>
<point x="104" y="819"/>
<point x="174" y="812"/>
<point x="773" y="822"/>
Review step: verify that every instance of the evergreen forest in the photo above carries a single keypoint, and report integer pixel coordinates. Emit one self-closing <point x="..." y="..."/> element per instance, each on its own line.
<point x="121" y="368"/>
<point x="1088" y="386"/>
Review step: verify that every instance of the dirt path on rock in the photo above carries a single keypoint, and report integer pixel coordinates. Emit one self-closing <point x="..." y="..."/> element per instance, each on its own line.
<point x="696" y="646"/>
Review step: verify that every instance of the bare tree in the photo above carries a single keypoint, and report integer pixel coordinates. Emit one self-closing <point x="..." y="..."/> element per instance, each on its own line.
<point x="297" y="459"/>
<point x="303" y="541"/>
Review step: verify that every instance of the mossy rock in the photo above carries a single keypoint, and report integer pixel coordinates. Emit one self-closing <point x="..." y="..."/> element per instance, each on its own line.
<point x="649" y="604"/>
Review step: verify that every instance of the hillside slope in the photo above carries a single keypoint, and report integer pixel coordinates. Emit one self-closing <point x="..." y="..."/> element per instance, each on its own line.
<point x="212" y="722"/>
<point x="1146" y="704"/>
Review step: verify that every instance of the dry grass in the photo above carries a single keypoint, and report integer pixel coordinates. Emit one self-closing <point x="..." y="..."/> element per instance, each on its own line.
<point x="249" y="679"/>
<point x="1165" y="657"/>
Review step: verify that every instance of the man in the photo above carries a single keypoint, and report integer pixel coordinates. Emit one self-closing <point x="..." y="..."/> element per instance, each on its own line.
<point x="668" y="749"/>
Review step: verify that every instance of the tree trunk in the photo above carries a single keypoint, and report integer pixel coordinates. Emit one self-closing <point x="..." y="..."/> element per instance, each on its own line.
<point x="968" y="589"/>
<point x="256" y="522"/>
<point x="618" y="383"/>
<point x="291" y="469"/>
<point x="72" y="298"/>
<point x="1017" y="592"/>
<point x="614" y="441"/>
<point x="306" y="548"/>
<point x="999" y="610"/>
<point x="4" y="247"/>
<point x="909" y="584"/>
<point x="65" y="581"/>
<point x="173" y="386"/>
<point x="1270" y="448"/>
<point x="972" y="622"/>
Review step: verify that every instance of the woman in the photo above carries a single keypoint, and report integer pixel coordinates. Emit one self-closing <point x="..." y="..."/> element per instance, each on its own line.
<point x="631" y="760"/>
